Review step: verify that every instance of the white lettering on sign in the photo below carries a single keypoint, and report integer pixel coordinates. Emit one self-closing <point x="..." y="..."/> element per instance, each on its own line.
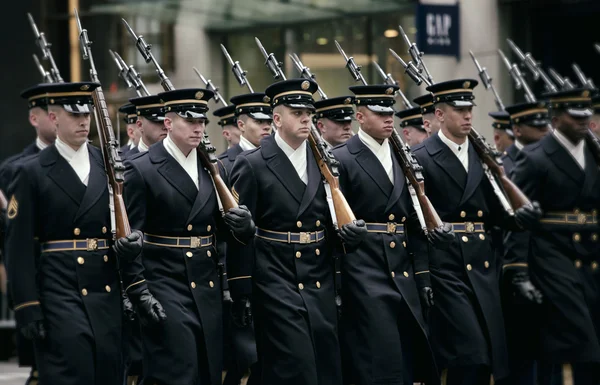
<point x="438" y="28"/>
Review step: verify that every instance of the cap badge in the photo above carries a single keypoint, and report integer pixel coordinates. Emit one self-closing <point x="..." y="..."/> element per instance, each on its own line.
<point x="347" y="101"/>
<point x="305" y="84"/>
<point x="389" y="91"/>
<point x="466" y="84"/>
<point x="266" y="99"/>
<point x="541" y="105"/>
<point x="85" y="87"/>
<point x="585" y="93"/>
<point x="199" y="95"/>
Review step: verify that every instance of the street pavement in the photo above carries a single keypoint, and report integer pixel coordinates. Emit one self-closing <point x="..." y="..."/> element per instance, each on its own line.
<point x="11" y="374"/>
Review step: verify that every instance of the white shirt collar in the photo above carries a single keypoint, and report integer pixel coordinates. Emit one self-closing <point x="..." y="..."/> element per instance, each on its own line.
<point x="188" y="163"/>
<point x="245" y="144"/>
<point x="142" y="146"/>
<point x="576" y="150"/>
<point x="297" y="156"/>
<point x="460" y="150"/>
<point x="39" y="144"/>
<point x="79" y="160"/>
<point x="519" y="145"/>
<point x="382" y="152"/>
<point x="131" y="146"/>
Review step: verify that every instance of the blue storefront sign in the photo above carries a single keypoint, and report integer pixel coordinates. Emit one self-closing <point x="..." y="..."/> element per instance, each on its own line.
<point x="438" y="29"/>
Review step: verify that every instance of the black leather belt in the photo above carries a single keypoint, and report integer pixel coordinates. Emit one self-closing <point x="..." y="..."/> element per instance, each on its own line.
<point x="90" y="244"/>
<point x="570" y="218"/>
<point x="388" y="228"/>
<point x="289" y="237"/>
<point x="185" y="242"/>
<point x="468" y="227"/>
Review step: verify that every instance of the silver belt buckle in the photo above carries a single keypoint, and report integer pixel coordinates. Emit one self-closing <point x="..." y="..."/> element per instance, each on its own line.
<point x="92" y="244"/>
<point x="304" y="237"/>
<point x="195" y="242"/>
<point x="391" y="227"/>
<point x="469" y="227"/>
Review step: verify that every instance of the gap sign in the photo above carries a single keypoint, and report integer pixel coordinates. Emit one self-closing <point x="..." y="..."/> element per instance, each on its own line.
<point x="438" y="29"/>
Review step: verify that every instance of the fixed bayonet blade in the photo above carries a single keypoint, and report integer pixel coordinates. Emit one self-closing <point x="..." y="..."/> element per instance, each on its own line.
<point x="339" y="47"/>
<point x="229" y="59"/>
<point x="261" y="48"/>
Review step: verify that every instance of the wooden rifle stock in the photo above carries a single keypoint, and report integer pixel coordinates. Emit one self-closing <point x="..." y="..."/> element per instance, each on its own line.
<point x="488" y="156"/>
<point x="412" y="172"/>
<point x="343" y="212"/>
<point x="226" y="197"/>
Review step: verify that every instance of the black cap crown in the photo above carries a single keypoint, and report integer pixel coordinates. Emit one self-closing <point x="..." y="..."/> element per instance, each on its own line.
<point x="411" y="117"/>
<point x="338" y="109"/>
<point x="426" y="103"/>
<point x="531" y="114"/>
<point x="501" y="121"/>
<point x="377" y="98"/>
<point x="130" y="113"/>
<point x="576" y="102"/>
<point x="150" y="107"/>
<point x="458" y="93"/>
<point x="187" y="102"/>
<point x="226" y="115"/>
<point x="293" y="93"/>
<point x="73" y="97"/>
<point x="256" y="105"/>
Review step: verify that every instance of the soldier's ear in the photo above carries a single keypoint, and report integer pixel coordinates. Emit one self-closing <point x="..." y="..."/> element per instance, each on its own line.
<point x="277" y="119"/>
<point x="439" y="114"/>
<point x="360" y="117"/>
<point x="241" y="125"/>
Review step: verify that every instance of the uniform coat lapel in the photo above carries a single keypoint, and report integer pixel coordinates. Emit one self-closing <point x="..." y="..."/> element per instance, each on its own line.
<point x="282" y="167"/>
<point x="473" y="176"/>
<point x="201" y="200"/>
<point x="97" y="182"/>
<point x="314" y="181"/>
<point x="446" y="160"/>
<point x="372" y="166"/>
<point x="62" y="174"/>
<point x="591" y="173"/>
<point x="399" y="182"/>
<point x="172" y="171"/>
<point x="562" y="159"/>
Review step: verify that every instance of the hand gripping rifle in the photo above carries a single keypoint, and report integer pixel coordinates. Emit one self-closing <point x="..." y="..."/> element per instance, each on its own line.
<point x="45" y="47"/>
<point x="110" y="152"/>
<point x="340" y="210"/>
<point x="206" y="151"/>
<point x="129" y="75"/>
<point x="238" y="72"/>
<point x="210" y="86"/>
<point x="517" y="76"/>
<point x="388" y="79"/>
<point x="509" y="195"/>
<point x="533" y="66"/>
<point x="45" y="74"/>
<point x="486" y="79"/>
<point x="428" y="217"/>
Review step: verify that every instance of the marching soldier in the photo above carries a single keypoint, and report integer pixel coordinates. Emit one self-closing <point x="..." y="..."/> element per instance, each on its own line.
<point x="467" y="331"/>
<point x="170" y="196"/>
<point x="291" y="282"/>
<point x="133" y="133"/>
<point x="430" y="123"/>
<point x="67" y="299"/>
<point x="333" y="119"/>
<point x="150" y="122"/>
<point x="561" y="172"/>
<point x="387" y="274"/>
<point x="228" y="124"/>
<point x="529" y="122"/>
<point x="503" y="134"/>
<point x="411" y="122"/>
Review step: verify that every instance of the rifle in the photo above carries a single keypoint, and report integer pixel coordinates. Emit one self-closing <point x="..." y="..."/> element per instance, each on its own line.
<point x="45" y="74"/>
<point x="340" y="210"/>
<point x="388" y="79"/>
<point x="110" y="152"/>
<point x="238" y="72"/>
<point x="517" y="76"/>
<point x="305" y="73"/>
<point x="129" y="74"/>
<point x="486" y="79"/>
<point x="206" y="151"/>
<point x="533" y="67"/>
<point x="416" y="56"/>
<point x="563" y="82"/>
<point x="413" y="171"/>
<point x="584" y="80"/>
<point x="411" y="70"/>
<point x="45" y="47"/>
<point x="209" y="85"/>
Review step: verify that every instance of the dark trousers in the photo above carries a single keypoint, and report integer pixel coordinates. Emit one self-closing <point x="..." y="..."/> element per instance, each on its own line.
<point x="467" y="375"/>
<point x="525" y="373"/>
<point x="578" y="373"/>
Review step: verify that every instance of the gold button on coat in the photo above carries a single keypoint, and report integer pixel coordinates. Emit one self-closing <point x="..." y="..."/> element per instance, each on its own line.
<point x="392" y="244"/>
<point x="298" y="254"/>
<point x="469" y="267"/>
<point x="193" y="285"/>
<point x="481" y="236"/>
<point x="189" y="227"/>
<point x="465" y="238"/>
<point x="84" y="292"/>
<point x="393" y="274"/>
<point x="594" y="265"/>
<point x="80" y="260"/>
<point x="392" y="217"/>
<point x="577" y="263"/>
<point x="594" y="237"/>
<point x="318" y="252"/>
<point x="403" y="219"/>
<point x="211" y="284"/>
<point x="107" y="288"/>
<point x="486" y="264"/>
<point x="299" y="224"/>
<point x="300" y="286"/>
<point x="208" y="228"/>
<point x="463" y="214"/>
<point x="404" y="243"/>
<point x="76" y="231"/>
<point x="189" y="254"/>
<point x="208" y="253"/>
<point x="318" y="285"/>
<point x="576" y="237"/>
<point x="318" y="223"/>
<point x="406" y="274"/>
<point x="479" y="213"/>
<point x="104" y="230"/>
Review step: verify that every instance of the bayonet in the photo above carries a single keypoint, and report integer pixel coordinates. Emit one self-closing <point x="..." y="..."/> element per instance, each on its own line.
<point x="305" y="73"/>
<point x="486" y="79"/>
<point x="410" y="70"/>
<point x="414" y="52"/>
<point x="389" y="80"/>
<point x="122" y="70"/>
<point x="271" y="62"/>
<point x="45" y="74"/>
<point x="45" y="47"/>
<point x="237" y="70"/>
<point x="533" y="67"/>
<point x="563" y="83"/>
<point x="515" y="73"/>
<point x="351" y="65"/>
<point x="210" y="86"/>
<point x="584" y="80"/>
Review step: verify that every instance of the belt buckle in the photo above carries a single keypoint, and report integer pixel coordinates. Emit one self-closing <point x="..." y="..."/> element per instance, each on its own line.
<point x="195" y="242"/>
<point x="304" y="237"/>
<point x="469" y="227"/>
<point x="581" y="218"/>
<point x="391" y="228"/>
<point x="92" y="244"/>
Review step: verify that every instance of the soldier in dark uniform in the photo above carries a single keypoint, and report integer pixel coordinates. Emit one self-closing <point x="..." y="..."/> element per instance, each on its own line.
<point x="560" y="172"/>
<point x="385" y="275"/>
<point x="467" y="331"/>
<point x="171" y="197"/>
<point x="45" y="135"/>
<point x="503" y="134"/>
<point x="67" y="298"/>
<point x="133" y="133"/>
<point x="411" y="122"/>
<point x="291" y="282"/>
<point x="430" y="123"/>
<point x="530" y="123"/>
<point x="228" y="124"/>
<point x="150" y="122"/>
<point x="333" y="118"/>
